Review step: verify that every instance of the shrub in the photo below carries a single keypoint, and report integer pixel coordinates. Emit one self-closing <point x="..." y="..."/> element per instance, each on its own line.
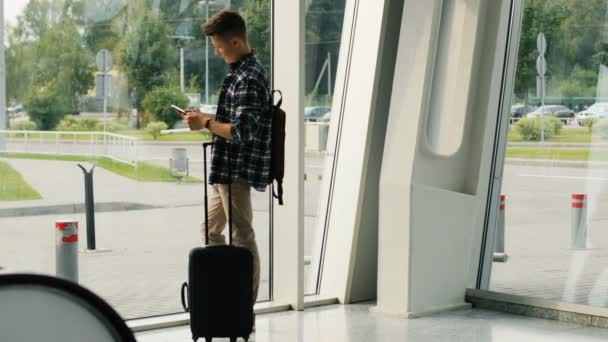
<point x="114" y="126"/>
<point x="154" y="128"/>
<point x="530" y="128"/>
<point x="46" y="107"/>
<point x="555" y="124"/>
<point x="590" y="123"/>
<point x="158" y="103"/>
<point x="24" y="125"/>
<point x="74" y="124"/>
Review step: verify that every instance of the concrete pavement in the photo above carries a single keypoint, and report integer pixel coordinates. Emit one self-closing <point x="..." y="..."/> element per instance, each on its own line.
<point x="147" y="263"/>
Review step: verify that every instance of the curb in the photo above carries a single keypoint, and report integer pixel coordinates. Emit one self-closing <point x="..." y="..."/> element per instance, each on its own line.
<point x="557" y="163"/>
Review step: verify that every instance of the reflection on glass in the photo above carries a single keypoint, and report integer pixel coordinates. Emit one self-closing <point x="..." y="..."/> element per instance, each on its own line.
<point x="322" y="45"/>
<point x="147" y="183"/>
<point x="555" y="178"/>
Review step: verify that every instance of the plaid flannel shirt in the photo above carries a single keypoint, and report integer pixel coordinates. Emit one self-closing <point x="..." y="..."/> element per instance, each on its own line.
<point x="245" y="103"/>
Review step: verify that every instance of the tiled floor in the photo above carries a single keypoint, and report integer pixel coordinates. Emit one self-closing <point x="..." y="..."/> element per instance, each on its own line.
<point x="355" y="323"/>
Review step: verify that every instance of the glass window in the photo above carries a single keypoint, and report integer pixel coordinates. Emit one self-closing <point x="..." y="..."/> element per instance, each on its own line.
<point x="147" y="182"/>
<point x="324" y="20"/>
<point x="555" y="177"/>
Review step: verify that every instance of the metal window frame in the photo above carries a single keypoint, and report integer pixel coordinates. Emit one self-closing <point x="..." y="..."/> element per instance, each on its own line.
<point x="500" y="145"/>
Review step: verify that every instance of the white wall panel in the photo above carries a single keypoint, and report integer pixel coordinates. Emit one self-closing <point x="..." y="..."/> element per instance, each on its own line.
<point x="433" y="191"/>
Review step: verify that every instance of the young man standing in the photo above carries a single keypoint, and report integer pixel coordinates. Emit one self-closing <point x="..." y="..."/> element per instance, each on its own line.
<point x="242" y="124"/>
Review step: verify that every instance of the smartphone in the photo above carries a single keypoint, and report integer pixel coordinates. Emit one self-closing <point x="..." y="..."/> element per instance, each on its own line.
<point x="179" y="110"/>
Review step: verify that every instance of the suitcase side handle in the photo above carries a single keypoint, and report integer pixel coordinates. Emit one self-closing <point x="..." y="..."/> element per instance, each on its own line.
<point x="184" y="299"/>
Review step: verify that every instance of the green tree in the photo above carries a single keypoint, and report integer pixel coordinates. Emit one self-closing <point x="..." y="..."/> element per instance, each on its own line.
<point x="19" y="59"/>
<point x="257" y="16"/>
<point x="580" y="83"/>
<point x="324" y="19"/>
<point x="539" y="16"/>
<point x="45" y="40"/>
<point x="47" y="61"/>
<point x="64" y="63"/>
<point x="149" y="55"/>
<point x="583" y="33"/>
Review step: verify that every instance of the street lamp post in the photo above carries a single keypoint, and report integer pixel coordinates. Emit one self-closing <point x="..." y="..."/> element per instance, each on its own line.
<point x="3" y="114"/>
<point x="207" y="2"/>
<point x="206" y="56"/>
<point x="182" y="81"/>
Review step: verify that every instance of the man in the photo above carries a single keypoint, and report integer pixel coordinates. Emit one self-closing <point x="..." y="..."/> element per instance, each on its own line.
<point x="243" y="124"/>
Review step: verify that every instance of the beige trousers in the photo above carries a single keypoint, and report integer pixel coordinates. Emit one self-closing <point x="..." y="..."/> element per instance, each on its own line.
<point x="243" y="234"/>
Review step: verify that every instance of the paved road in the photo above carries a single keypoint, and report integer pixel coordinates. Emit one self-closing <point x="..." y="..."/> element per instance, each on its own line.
<point x="159" y="154"/>
<point x="538" y="231"/>
<point x="145" y="151"/>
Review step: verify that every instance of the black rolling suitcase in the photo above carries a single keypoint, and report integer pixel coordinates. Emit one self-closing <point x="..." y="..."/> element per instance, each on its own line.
<point x="219" y="291"/>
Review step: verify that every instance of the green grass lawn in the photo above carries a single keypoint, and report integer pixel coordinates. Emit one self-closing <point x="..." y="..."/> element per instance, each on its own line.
<point x="190" y="136"/>
<point x="50" y="136"/>
<point x="142" y="135"/>
<point x="578" y="135"/>
<point x="558" y="154"/>
<point x="581" y="135"/>
<point x="13" y="187"/>
<point x="144" y="172"/>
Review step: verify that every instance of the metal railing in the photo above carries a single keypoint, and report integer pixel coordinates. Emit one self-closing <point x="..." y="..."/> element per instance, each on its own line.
<point x="117" y="147"/>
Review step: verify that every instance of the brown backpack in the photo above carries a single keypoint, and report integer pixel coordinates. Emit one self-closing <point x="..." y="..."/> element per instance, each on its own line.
<point x="277" y="155"/>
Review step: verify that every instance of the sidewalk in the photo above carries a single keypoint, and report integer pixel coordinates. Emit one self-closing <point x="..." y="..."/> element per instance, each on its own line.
<point x="143" y="270"/>
<point x="61" y="182"/>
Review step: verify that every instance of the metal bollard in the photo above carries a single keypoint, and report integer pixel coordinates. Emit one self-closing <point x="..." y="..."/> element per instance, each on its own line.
<point x="89" y="203"/>
<point x="579" y="222"/>
<point x="499" y="239"/>
<point x="66" y="249"/>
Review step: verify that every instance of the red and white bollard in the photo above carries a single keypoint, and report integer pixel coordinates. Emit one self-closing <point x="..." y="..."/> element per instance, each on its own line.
<point x="66" y="249"/>
<point x="499" y="238"/>
<point x="579" y="222"/>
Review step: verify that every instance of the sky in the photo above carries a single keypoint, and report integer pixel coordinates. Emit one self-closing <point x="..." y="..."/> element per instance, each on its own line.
<point x="12" y="8"/>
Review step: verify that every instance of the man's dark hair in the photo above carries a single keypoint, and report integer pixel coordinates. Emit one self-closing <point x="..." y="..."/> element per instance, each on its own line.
<point x="226" y="24"/>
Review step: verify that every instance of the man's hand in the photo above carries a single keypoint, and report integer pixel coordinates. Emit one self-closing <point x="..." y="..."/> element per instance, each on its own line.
<point x="196" y="120"/>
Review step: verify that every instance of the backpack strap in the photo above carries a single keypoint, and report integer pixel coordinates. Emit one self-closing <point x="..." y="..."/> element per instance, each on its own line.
<point x="280" y="102"/>
<point x="279" y="188"/>
<point x="278" y="196"/>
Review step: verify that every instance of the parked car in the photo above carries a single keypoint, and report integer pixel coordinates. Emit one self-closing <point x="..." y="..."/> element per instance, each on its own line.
<point x="520" y="110"/>
<point x="597" y="110"/>
<point x="315" y="113"/>
<point x="15" y="111"/>
<point x="562" y="112"/>
<point x="326" y="117"/>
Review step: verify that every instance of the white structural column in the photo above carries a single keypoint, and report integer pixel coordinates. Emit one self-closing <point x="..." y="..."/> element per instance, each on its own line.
<point x="438" y="152"/>
<point x="3" y="114"/>
<point x="288" y="76"/>
<point x="359" y="115"/>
